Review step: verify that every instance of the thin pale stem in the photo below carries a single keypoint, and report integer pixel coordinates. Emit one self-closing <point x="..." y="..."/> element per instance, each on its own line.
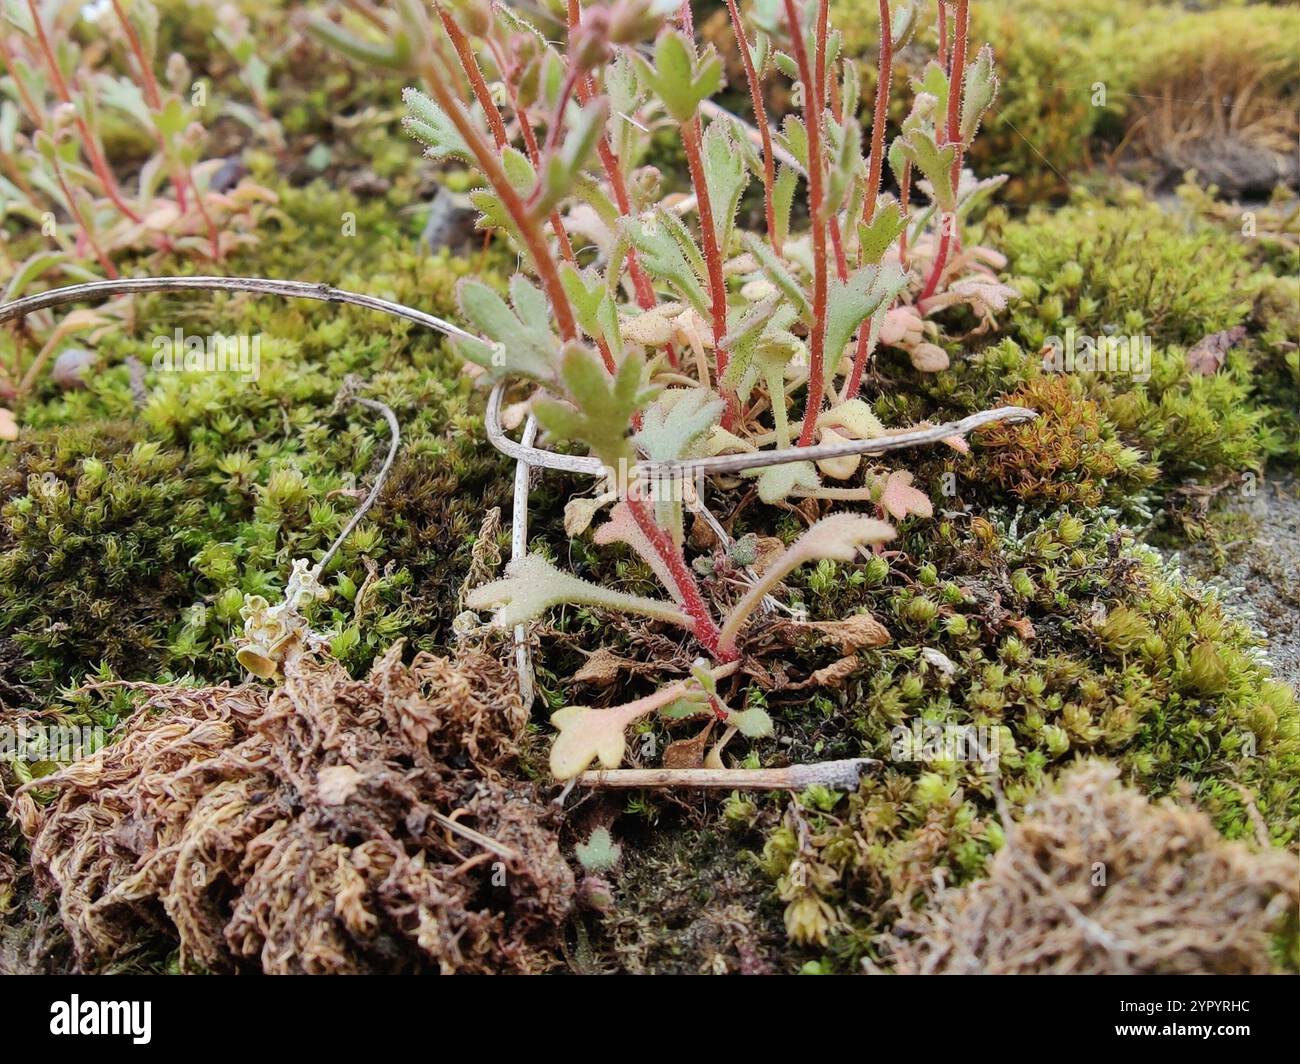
<point x="394" y="441"/>
<point x="836" y="775"/>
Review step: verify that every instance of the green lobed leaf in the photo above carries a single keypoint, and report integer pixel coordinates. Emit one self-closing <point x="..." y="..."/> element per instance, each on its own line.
<point x="533" y="585"/>
<point x="428" y="123"/>
<point x="520" y="341"/>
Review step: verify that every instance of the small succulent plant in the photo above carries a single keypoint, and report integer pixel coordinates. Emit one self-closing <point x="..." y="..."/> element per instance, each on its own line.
<point x="651" y="340"/>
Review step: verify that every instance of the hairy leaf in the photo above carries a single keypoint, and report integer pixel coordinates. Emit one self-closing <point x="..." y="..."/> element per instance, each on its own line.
<point x="672" y="426"/>
<point x="725" y="175"/>
<point x="602" y="410"/>
<point x="835" y="538"/>
<point x="532" y="585"/>
<point x="775" y="271"/>
<point x="877" y="238"/>
<point x="428" y="123"/>
<point x="522" y="340"/>
<point x="678" y="77"/>
<point x="665" y="256"/>
<point x="851" y="302"/>
<point x="981" y="87"/>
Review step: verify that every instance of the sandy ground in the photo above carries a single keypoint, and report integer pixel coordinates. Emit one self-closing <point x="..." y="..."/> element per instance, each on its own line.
<point x="1262" y="573"/>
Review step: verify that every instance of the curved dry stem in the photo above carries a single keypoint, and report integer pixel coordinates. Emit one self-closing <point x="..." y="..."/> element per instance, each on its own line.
<point x="263" y="285"/>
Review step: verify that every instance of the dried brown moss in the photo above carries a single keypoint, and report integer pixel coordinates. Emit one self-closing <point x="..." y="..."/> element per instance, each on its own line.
<point x="1097" y="880"/>
<point x="326" y="825"/>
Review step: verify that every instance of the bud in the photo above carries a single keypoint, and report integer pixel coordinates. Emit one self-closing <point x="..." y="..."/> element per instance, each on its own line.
<point x="1207" y="672"/>
<point x="633" y="21"/>
<point x="1022" y="583"/>
<point x="589" y="44"/>
<point x="1070" y="531"/>
<point x="920" y="611"/>
<point x="475" y="16"/>
<point x="929" y="358"/>
<point x="177" y="72"/>
<point x="645" y="186"/>
<point x="876" y="571"/>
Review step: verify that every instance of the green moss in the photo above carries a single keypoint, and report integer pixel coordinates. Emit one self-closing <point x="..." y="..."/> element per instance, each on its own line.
<point x="690" y="900"/>
<point x="1080" y="79"/>
<point x="1065" y="641"/>
<point x="96" y="524"/>
<point x="1136" y="271"/>
<point x="237" y="478"/>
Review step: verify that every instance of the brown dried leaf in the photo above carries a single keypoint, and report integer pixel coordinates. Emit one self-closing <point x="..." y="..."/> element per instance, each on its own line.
<point x="603" y="667"/>
<point x="688" y="753"/>
<point x="858" y="632"/>
<point x="1207" y="355"/>
<point x="833" y="675"/>
<point x="766" y="550"/>
<point x="1023" y="627"/>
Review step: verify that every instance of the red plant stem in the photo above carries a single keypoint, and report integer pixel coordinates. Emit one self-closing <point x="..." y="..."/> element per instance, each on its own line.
<point x="97" y="162"/>
<point x="955" y="86"/>
<point x="881" y="114"/>
<point x="470" y="65"/>
<point x="760" y="120"/>
<point x="943" y="34"/>
<point x="150" y="83"/>
<point x="571" y="81"/>
<point x="694" y="144"/>
<point x="33" y="113"/>
<point x="955" y="81"/>
<point x="529" y="231"/>
<point x="645" y="294"/>
<point x="837" y="245"/>
<point x="819" y="61"/>
<point x="181" y="177"/>
<point x="816" y="195"/>
<point x="702" y="623"/>
<point x="854" y="384"/>
<point x="77" y="217"/>
<point x="534" y="154"/>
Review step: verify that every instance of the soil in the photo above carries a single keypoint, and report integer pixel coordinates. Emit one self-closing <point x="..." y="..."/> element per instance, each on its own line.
<point x="1259" y="574"/>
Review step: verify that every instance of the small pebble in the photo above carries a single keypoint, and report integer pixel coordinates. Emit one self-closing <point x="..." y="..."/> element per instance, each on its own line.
<point x="71" y="367"/>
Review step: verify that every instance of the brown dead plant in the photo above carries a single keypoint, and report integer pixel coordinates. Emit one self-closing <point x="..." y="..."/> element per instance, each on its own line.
<point x="1098" y="880"/>
<point x="325" y="825"/>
